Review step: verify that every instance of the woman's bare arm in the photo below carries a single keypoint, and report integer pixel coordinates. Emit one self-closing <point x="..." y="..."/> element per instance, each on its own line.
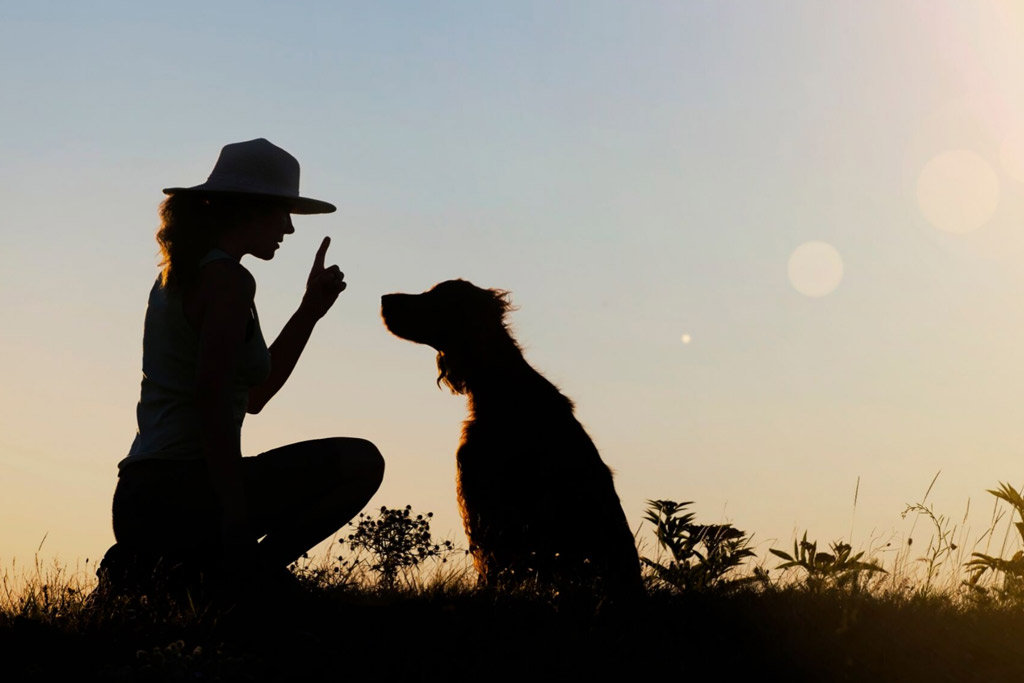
<point x="322" y="289"/>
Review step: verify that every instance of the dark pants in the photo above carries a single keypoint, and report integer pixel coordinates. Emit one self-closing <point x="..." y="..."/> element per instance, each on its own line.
<point x="296" y="496"/>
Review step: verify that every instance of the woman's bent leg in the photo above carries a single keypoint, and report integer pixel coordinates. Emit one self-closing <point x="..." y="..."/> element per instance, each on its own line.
<point x="165" y="518"/>
<point x="300" y="494"/>
<point x="166" y="507"/>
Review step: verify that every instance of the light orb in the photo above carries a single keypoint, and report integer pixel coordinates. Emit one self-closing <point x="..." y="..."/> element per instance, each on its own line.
<point x="815" y="269"/>
<point x="958" y="191"/>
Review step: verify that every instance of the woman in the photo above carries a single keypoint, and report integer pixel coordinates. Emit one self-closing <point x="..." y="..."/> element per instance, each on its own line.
<point x="185" y="493"/>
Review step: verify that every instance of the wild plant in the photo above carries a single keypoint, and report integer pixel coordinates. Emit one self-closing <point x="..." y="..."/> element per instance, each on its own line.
<point x="1012" y="587"/>
<point x="323" y="572"/>
<point x="396" y="541"/>
<point x="46" y="594"/>
<point x="839" y="568"/>
<point x="703" y="555"/>
<point x="940" y="546"/>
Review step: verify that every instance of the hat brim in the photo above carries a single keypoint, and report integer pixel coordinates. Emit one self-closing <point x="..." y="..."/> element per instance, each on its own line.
<point x="296" y="205"/>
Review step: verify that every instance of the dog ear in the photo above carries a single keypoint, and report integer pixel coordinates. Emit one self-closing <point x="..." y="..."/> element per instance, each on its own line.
<point x="501" y="302"/>
<point x="487" y="324"/>
<point x="448" y="375"/>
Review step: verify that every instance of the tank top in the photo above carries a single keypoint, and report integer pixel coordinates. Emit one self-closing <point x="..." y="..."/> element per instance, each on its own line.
<point x="167" y="415"/>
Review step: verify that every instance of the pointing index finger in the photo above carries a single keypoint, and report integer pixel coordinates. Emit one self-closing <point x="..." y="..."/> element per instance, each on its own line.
<point x="321" y="254"/>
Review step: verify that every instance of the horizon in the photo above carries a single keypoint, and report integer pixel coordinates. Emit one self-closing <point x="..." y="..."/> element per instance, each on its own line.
<point x="774" y="254"/>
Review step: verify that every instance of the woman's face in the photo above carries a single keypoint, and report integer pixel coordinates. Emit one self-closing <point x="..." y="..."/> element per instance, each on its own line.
<point x="265" y="231"/>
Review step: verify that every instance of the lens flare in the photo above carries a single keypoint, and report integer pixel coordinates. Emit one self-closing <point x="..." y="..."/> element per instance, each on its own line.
<point x="815" y="269"/>
<point x="958" y="191"/>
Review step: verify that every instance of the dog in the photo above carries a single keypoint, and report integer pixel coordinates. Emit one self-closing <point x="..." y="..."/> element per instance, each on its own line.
<point x="535" y="497"/>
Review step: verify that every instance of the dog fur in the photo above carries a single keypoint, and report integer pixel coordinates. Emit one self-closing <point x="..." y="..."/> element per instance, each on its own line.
<point x="535" y="497"/>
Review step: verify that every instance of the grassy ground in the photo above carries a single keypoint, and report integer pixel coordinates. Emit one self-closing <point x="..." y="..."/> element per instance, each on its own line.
<point x="53" y="627"/>
<point x="392" y="609"/>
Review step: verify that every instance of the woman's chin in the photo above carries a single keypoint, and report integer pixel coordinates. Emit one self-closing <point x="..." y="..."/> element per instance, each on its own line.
<point x="268" y="254"/>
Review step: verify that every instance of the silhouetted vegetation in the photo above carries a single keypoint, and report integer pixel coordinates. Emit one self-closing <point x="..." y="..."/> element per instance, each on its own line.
<point x="704" y="556"/>
<point x="395" y="540"/>
<point x="393" y="601"/>
<point x="837" y="569"/>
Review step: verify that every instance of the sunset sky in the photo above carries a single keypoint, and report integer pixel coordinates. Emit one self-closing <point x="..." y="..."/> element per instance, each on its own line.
<point x="768" y="248"/>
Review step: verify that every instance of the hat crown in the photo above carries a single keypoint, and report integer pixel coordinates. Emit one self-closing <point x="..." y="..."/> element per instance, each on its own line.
<point x="256" y="166"/>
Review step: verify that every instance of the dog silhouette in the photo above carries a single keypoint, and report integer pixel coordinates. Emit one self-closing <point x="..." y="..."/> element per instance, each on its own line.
<point x="536" y="498"/>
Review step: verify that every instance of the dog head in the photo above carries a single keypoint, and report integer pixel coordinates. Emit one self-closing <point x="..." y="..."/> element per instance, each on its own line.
<point x="458" y="319"/>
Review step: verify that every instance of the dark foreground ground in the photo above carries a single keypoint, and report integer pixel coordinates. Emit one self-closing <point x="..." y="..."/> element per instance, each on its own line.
<point x="342" y="634"/>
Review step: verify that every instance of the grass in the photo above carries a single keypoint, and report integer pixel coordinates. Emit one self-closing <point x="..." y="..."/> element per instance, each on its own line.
<point x="925" y="614"/>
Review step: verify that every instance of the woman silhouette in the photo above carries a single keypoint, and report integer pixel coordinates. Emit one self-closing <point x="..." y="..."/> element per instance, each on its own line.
<point x="185" y="494"/>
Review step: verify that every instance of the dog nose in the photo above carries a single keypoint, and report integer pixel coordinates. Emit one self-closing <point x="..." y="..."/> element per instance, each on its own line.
<point x="386" y="302"/>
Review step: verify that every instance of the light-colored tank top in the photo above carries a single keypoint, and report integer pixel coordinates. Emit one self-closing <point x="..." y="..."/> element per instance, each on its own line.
<point x="168" y="418"/>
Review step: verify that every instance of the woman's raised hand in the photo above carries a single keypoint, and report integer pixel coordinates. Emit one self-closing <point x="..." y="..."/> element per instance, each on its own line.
<point x="322" y="289"/>
<point x="323" y="285"/>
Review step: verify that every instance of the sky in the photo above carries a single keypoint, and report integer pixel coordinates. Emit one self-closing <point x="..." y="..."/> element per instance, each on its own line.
<point x="774" y="251"/>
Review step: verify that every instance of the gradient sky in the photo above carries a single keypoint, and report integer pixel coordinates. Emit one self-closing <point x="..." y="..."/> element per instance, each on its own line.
<point x="641" y="176"/>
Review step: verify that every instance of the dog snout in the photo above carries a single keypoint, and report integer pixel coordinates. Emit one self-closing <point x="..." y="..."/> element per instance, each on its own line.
<point x="398" y="313"/>
<point x="389" y="303"/>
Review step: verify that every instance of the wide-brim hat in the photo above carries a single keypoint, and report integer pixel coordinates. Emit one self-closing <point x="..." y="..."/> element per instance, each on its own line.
<point x="257" y="167"/>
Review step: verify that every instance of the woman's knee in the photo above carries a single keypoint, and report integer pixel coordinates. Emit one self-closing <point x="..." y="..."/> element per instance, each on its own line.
<point x="360" y="459"/>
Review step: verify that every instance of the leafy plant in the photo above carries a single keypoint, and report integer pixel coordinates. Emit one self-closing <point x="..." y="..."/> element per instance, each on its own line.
<point x="397" y="540"/>
<point x="838" y="568"/>
<point x="703" y="555"/>
<point x="1011" y="569"/>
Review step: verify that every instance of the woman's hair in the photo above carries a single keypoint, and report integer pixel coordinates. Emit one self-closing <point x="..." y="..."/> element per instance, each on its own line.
<point x="191" y="224"/>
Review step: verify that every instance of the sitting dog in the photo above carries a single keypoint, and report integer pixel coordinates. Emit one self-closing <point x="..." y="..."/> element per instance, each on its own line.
<point x="535" y="497"/>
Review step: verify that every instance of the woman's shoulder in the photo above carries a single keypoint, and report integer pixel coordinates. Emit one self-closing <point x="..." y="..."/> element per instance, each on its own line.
<point x="226" y="276"/>
<point x="224" y="285"/>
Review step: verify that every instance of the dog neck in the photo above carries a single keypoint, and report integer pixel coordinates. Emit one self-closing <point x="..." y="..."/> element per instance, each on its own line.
<point x="484" y="372"/>
<point x="497" y="384"/>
